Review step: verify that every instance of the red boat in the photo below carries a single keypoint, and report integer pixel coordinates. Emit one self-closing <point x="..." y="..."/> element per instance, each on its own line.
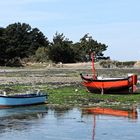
<point x="110" y="85"/>
<point x="96" y="84"/>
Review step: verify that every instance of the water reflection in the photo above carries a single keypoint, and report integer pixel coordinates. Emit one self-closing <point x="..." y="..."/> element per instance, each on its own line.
<point x="129" y="113"/>
<point x="20" y="118"/>
<point x="40" y="122"/>
<point x="96" y="111"/>
<point x="60" y="112"/>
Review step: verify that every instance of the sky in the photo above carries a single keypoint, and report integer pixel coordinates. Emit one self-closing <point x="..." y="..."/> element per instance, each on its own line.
<point x="115" y="23"/>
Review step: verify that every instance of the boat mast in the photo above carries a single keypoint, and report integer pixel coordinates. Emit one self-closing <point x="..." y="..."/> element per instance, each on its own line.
<point x="93" y="68"/>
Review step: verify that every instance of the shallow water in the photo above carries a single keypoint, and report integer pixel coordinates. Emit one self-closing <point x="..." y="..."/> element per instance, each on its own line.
<point x="41" y="123"/>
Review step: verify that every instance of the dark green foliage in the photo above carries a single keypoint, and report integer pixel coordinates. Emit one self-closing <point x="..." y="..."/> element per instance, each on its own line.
<point x="86" y="46"/>
<point x="41" y="54"/>
<point x="127" y="63"/>
<point x="60" y="50"/>
<point x="3" y="54"/>
<point x="19" y="41"/>
<point x="119" y="64"/>
<point x="65" y="51"/>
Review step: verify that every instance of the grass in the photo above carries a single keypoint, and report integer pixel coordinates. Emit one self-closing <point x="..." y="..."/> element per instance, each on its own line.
<point x="77" y="96"/>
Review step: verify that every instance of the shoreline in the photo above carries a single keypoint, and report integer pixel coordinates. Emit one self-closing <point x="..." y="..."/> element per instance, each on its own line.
<point x="64" y="86"/>
<point x="26" y="75"/>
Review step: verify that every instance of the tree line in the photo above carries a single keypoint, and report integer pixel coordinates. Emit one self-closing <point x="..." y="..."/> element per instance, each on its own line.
<point x="19" y="42"/>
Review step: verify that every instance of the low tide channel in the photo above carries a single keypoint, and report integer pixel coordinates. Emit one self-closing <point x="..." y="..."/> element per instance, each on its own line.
<point x="42" y="123"/>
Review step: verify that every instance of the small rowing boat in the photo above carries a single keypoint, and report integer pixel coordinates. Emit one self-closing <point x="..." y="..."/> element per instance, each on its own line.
<point x="22" y="99"/>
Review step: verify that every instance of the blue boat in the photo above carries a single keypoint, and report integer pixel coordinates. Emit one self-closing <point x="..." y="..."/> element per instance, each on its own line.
<point x="22" y="99"/>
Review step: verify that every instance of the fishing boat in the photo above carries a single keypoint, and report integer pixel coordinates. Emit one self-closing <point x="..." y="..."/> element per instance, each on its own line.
<point x="96" y="84"/>
<point x="15" y="100"/>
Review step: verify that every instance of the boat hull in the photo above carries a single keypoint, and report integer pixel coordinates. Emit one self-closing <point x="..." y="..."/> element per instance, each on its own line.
<point x="109" y="90"/>
<point x="122" y="85"/>
<point x="11" y="101"/>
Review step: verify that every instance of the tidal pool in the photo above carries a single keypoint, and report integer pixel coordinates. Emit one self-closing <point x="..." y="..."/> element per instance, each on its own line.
<point x="41" y="123"/>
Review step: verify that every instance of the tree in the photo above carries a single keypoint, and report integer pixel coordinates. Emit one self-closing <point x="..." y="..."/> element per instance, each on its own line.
<point x="3" y="54"/>
<point x="89" y="45"/>
<point x="60" y="49"/>
<point x="41" y="54"/>
<point x="21" y="41"/>
<point x="36" y="39"/>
